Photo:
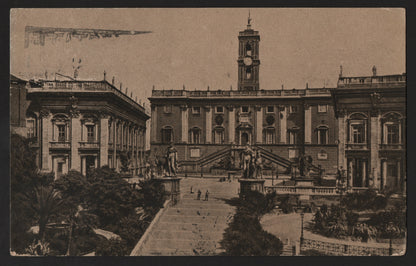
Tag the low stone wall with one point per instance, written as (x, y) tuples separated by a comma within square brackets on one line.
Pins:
[(338, 249)]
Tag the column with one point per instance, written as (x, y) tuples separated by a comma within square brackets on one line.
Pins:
[(283, 125), (75, 139), (208, 124), (351, 173), (231, 124), (259, 124), (115, 135), (104, 140), (142, 148), (184, 115), (364, 173), (46, 135), (153, 125), (342, 139), (384, 174), (374, 147), (399, 174), (84, 165), (308, 124)]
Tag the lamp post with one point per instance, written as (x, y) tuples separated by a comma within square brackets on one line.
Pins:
[(301, 228)]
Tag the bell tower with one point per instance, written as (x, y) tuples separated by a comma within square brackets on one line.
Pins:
[(248, 58)]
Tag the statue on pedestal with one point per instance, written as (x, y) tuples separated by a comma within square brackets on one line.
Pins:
[(171, 161)]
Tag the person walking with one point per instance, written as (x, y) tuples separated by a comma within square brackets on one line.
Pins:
[(199, 195), (206, 195)]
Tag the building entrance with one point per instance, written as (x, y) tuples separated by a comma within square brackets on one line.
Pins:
[(357, 172)]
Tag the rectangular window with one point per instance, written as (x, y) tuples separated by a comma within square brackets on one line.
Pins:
[(322, 136), (219, 109), (61, 133), (31, 129), (270, 136), (218, 136), (270, 109), (393, 134), (167, 135), (322, 108), (90, 133), (168, 108), (196, 110), (293, 136), (244, 109), (195, 136), (358, 133)]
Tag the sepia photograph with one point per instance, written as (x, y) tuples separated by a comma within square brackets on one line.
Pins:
[(208, 132)]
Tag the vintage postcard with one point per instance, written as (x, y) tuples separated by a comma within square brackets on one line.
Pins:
[(208, 132)]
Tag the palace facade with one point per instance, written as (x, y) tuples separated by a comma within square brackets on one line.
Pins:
[(78, 125), (371, 113), (359, 125), (286, 123)]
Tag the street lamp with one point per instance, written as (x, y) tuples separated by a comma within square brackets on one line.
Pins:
[(301, 228)]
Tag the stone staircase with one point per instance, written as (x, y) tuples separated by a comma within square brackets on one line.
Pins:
[(192, 227)]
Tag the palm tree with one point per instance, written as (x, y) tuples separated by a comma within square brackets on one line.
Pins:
[(46, 202)]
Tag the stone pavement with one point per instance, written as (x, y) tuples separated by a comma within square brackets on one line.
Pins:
[(193, 227)]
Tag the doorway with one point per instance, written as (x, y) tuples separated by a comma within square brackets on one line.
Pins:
[(244, 139), (89, 164), (358, 172)]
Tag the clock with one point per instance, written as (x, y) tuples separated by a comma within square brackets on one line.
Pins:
[(248, 61)]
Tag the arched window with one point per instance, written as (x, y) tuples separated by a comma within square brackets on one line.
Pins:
[(322, 134), (218, 135), (248, 73), (269, 135), (248, 49), (357, 129), (167, 135), (60, 124), (195, 135), (392, 128)]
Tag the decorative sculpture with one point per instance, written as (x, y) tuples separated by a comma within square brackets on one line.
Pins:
[(171, 161), (252, 163)]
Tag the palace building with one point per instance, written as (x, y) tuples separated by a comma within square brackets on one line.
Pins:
[(78, 125), (359, 125), (282, 123), (371, 113)]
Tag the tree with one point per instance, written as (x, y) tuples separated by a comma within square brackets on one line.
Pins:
[(110, 197), (24, 177), (45, 204)]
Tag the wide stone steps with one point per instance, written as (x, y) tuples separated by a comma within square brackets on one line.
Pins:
[(193, 227)]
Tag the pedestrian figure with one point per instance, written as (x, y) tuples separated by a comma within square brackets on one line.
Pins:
[(134, 185), (199, 195), (206, 195), (192, 192)]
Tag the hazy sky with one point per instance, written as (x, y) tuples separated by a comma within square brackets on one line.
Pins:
[(199, 47)]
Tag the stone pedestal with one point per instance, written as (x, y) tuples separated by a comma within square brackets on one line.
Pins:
[(172, 187), (247, 185), (304, 182)]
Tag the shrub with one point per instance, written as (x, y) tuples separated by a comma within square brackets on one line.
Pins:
[(245, 236), (111, 247)]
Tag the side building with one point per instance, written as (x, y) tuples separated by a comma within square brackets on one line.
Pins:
[(371, 113), (78, 125)]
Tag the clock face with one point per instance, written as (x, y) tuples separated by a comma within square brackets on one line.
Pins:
[(248, 61)]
